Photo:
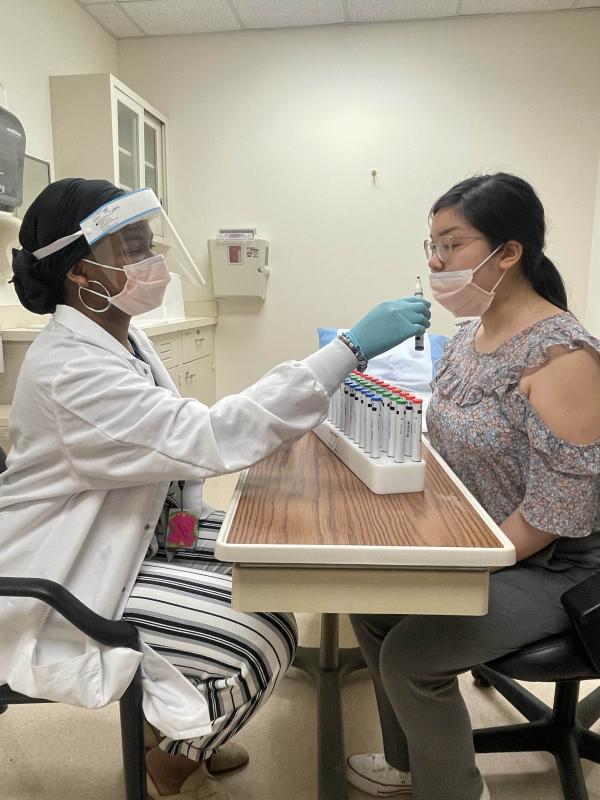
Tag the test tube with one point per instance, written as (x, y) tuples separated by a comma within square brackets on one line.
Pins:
[(392, 437), (417, 426), (399, 432), (356, 415), (369, 422), (391, 410), (375, 432), (363, 424), (385, 421), (343, 399), (349, 402), (420, 338), (408, 427)]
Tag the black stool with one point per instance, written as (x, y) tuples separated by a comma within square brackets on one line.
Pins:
[(565, 660)]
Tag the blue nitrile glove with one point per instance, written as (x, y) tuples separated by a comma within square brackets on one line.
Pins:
[(390, 323)]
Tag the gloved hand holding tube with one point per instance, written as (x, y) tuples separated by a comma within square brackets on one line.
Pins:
[(390, 323)]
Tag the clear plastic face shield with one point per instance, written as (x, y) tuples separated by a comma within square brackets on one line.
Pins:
[(121, 234)]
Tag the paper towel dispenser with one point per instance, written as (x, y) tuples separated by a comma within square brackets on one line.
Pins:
[(12, 158)]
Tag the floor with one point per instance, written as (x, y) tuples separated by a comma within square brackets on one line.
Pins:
[(50, 752)]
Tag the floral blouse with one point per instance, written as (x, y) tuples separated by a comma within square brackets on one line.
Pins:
[(493, 439)]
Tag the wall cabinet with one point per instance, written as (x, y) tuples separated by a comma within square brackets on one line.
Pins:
[(102, 129), (189, 357), (187, 354)]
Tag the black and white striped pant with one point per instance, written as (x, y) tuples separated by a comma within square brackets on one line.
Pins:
[(182, 609)]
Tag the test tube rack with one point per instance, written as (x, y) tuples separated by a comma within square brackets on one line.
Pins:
[(382, 475)]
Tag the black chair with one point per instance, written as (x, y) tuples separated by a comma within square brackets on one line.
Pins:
[(565, 660), (112, 633)]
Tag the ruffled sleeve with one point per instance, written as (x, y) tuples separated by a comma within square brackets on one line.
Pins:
[(562, 494)]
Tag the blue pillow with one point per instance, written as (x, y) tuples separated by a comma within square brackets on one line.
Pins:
[(326, 335), (437, 342)]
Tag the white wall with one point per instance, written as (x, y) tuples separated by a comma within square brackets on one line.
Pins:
[(280, 129), (592, 307), (42, 38)]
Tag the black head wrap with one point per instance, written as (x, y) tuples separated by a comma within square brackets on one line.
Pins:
[(56, 212)]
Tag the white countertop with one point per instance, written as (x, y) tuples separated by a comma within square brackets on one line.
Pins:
[(150, 328)]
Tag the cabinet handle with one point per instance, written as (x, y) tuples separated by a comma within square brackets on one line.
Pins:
[(189, 375), (203, 339)]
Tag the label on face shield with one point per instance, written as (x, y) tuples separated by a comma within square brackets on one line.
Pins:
[(119, 212)]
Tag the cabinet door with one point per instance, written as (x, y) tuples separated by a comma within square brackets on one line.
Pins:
[(198, 380), (129, 117), (197, 343), (175, 374), (154, 167)]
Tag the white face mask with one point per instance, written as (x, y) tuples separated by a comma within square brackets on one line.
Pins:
[(144, 289), (456, 291)]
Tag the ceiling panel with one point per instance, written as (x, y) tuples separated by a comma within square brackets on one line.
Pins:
[(166, 17), (387, 10), (123, 18), (289, 13), (512, 6), (113, 19)]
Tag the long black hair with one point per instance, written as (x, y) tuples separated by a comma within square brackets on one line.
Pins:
[(505, 207)]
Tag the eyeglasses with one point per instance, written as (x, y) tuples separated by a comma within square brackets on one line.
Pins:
[(443, 248)]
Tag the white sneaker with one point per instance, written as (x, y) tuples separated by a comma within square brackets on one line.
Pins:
[(371, 773)]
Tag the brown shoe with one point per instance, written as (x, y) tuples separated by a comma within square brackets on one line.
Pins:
[(199, 786), (152, 737), (227, 758)]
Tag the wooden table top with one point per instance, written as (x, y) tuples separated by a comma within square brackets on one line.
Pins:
[(303, 498)]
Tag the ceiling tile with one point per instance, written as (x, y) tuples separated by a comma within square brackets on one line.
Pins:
[(289, 13), (113, 19), (512, 6), (384, 10), (166, 17)]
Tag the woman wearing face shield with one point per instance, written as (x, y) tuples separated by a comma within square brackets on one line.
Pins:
[(515, 414), (99, 432)]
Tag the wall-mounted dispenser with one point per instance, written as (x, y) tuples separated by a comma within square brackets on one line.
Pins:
[(12, 157), (239, 263)]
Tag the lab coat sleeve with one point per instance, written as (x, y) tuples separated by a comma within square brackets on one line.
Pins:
[(117, 430)]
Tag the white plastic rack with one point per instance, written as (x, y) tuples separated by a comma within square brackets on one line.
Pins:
[(382, 475)]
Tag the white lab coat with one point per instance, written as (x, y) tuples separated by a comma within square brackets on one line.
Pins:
[(95, 445)]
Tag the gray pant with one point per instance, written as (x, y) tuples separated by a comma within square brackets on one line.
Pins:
[(415, 660)]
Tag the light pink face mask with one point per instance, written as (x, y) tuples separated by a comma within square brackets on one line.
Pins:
[(144, 289), (456, 291)]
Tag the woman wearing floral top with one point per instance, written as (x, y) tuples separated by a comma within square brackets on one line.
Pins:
[(516, 414)]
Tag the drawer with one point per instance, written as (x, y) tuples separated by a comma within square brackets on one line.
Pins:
[(198, 380), (167, 346), (197, 343)]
